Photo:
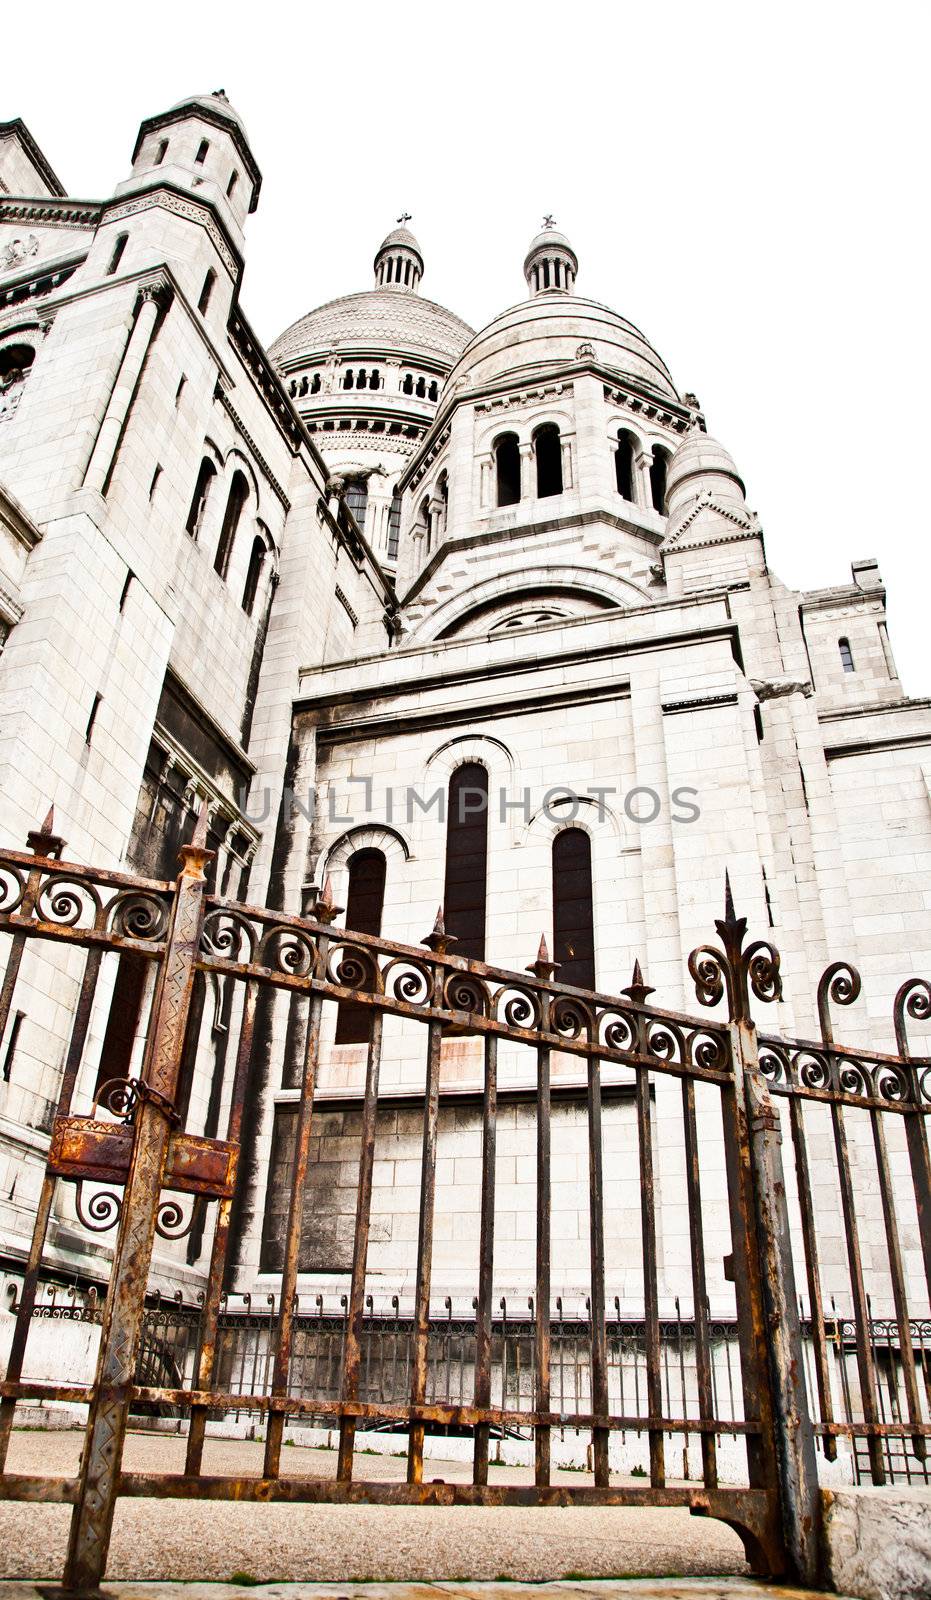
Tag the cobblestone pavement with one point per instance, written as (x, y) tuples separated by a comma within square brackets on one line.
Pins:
[(217, 1540)]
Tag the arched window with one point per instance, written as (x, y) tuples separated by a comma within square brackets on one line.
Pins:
[(117, 256), (548, 452), (507, 469), (238, 495), (426, 519), (394, 527), (315, 386), (658, 469), (201, 155), (464, 889), (361, 379), (407, 386), (347, 378), (433, 391), (374, 379), (357, 498), (161, 152), (205, 476), (624, 465), (234, 179), (256, 563), (421, 389), (364, 905), (442, 494), (846, 655), (573, 919), (206, 292)]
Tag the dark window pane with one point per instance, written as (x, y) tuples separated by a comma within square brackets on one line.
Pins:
[(573, 921), (464, 890), (364, 903)]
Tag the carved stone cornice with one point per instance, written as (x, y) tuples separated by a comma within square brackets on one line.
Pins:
[(436, 449), (179, 205), (522, 397), (52, 213), (18, 521), (653, 410)]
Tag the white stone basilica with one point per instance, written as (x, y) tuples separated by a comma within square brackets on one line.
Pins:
[(331, 587)]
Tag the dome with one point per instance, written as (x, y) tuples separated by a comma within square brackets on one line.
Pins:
[(376, 321), (401, 236), (544, 333), (217, 104), (700, 457), (550, 264), (549, 239)]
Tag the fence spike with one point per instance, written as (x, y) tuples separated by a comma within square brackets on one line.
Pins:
[(637, 990)]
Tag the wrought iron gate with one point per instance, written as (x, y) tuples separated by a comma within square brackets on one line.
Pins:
[(134, 1142)]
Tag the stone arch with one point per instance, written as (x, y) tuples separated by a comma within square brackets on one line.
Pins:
[(464, 747), (333, 860), (608, 588), (236, 459), (595, 816)]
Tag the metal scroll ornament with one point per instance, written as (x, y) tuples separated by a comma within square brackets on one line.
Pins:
[(733, 970)]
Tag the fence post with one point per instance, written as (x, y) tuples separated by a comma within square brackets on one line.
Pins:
[(101, 1459), (794, 1434)]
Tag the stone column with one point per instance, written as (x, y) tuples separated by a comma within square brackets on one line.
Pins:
[(152, 298), (486, 474), (644, 490), (528, 488)]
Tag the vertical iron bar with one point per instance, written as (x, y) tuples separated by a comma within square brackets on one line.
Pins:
[(486, 1253), (98, 1484), (424, 1250), (347, 1425), (211, 1313), (699, 1285), (865, 1363), (650, 1292), (599, 1348), (812, 1268), (542, 1327), (282, 1363), (893, 1246)]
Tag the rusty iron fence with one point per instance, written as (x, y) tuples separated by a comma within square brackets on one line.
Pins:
[(134, 1144)]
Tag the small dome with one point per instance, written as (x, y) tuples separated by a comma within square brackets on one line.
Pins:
[(698, 457), (218, 104), (551, 263), (400, 236)]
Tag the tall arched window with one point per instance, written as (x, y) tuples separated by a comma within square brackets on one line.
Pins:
[(206, 292), (573, 918), (357, 498), (507, 469), (426, 520), (624, 465), (256, 563), (846, 655), (195, 516), (464, 890), (364, 905), (658, 469), (548, 452), (238, 495), (117, 255), (394, 527)]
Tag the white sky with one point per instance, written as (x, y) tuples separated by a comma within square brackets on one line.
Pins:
[(748, 185)]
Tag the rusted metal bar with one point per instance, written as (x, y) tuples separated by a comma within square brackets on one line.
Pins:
[(542, 1325), (865, 1363), (424, 1249), (914, 1000), (812, 1269), (282, 1363), (651, 1333), (486, 1255), (599, 1336), (214, 1291), (350, 1387), (897, 1273), (699, 1285), (793, 1434), (45, 847), (100, 1466)]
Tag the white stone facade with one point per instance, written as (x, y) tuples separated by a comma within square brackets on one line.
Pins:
[(553, 574)]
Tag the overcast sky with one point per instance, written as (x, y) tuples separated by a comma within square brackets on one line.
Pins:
[(747, 184)]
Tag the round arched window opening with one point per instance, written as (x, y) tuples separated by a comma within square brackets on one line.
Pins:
[(15, 362)]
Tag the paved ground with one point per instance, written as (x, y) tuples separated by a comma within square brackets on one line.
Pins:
[(217, 1541), (624, 1589)]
